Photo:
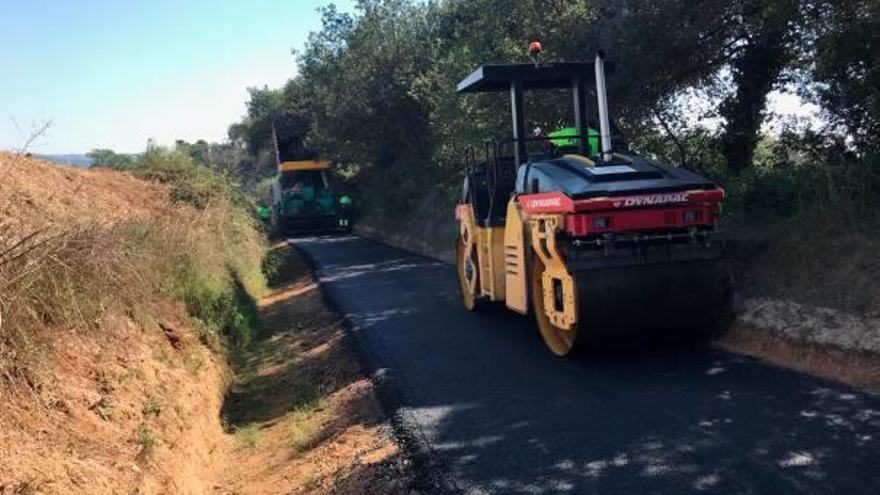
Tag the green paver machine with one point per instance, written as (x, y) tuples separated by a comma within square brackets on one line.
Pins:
[(301, 198)]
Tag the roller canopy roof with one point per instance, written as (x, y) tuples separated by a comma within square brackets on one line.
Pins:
[(546, 76)]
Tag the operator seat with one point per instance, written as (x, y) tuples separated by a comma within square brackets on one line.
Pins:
[(490, 205)]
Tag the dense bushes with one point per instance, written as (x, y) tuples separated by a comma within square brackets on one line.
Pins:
[(795, 176), (827, 192), (191, 182), (814, 202), (376, 91)]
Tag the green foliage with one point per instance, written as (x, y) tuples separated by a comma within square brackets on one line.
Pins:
[(809, 183), (248, 436), (200, 151), (206, 254), (153, 407), (216, 274), (191, 182), (798, 177), (303, 428), (146, 439), (212, 264), (800, 180), (376, 92), (102, 157), (845, 48), (376, 89), (767, 29)]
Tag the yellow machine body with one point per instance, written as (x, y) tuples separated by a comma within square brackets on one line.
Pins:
[(516, 283), (500, 256), (485, 245), (562, 312)]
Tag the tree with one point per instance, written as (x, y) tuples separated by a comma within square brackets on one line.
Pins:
[(102, 157), (846, 68), (767, 34), (198, 151), (661, 47)]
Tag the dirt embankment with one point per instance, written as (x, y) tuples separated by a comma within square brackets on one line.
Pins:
[(808, 302), (124, 404), (133, 396), (35, 194)]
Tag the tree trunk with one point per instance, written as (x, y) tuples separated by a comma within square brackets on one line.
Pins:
[(755, 71)]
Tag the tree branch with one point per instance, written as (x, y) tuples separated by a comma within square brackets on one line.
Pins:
[(675, 139)]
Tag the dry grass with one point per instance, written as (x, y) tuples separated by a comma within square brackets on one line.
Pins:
[(62, 272), (304, 426), (247, 436), (56, 279), (830, 269), (65, 280), (36, 194), (107, 284), (124, 398)]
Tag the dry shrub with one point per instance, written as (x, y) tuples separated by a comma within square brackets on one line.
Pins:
[(838, 270), (210, 260), (57, 279), (65, 280)]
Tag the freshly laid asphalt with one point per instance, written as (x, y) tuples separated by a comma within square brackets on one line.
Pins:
[(493, 412)]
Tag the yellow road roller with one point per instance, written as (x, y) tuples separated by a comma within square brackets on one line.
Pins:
[(604, 247)]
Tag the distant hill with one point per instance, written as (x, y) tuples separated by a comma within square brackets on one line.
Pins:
[(71, 159)]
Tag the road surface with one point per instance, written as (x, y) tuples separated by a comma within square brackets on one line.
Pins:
[(496, 413)]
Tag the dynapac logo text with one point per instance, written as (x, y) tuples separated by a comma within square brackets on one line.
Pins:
[(652, 200), (545, 202)]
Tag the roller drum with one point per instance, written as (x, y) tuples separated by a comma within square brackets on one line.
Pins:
[(649, 304)]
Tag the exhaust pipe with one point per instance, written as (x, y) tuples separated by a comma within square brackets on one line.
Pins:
[(602, 96)]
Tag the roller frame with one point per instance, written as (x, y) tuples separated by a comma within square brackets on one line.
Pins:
[(544, 228), (467, 233)]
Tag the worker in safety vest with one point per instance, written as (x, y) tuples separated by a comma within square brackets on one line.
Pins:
[(264, 213), (344, 211), (568, 138)]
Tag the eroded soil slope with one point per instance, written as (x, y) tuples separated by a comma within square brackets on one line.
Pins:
[(125, 404), (140, 400)]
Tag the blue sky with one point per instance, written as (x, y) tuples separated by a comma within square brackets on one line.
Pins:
[(113, 74)]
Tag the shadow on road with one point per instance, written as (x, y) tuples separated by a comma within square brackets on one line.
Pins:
[(499, 414)]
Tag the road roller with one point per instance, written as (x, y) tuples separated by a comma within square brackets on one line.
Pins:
[(601, 246)]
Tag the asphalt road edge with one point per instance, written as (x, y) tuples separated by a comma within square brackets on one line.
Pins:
[(426, 465)]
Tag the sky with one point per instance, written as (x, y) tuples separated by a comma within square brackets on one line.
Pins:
[(113, 74)]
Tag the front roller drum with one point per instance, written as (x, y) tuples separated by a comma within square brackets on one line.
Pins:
[(561, 341), (638, 306)]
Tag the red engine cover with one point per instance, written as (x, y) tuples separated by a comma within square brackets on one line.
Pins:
[(629, 213)]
